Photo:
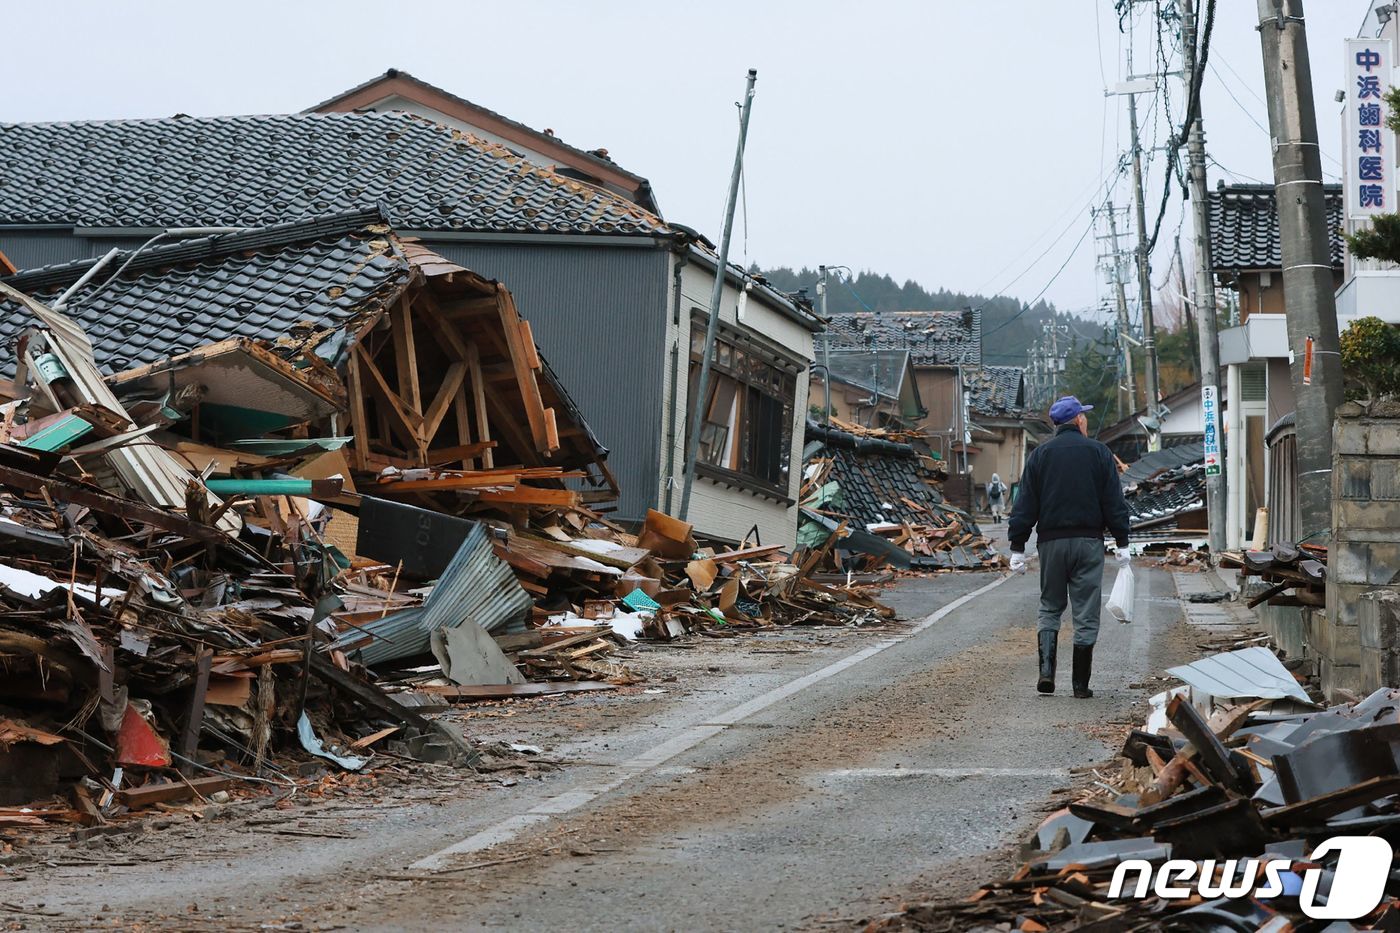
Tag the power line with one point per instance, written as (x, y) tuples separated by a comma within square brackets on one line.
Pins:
[(1078, 243), (1094, 196)]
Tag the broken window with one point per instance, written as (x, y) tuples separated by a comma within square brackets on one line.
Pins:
[(746, 427)]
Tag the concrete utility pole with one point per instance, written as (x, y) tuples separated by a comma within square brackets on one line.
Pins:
[(1207, 334), (702, 388), (826, 343), (1144, 267), (1307, 263), (1125, 357)]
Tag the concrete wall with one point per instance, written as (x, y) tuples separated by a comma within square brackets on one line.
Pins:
[(1365, 551)]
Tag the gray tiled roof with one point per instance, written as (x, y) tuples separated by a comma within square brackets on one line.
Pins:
[(1244, 231), (260, 285), (997, 390), (259, 170), (933, 338)]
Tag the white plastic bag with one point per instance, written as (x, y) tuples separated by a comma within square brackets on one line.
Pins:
[(1120, 601)]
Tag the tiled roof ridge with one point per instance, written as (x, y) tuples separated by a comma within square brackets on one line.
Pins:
[(212, 247), (392, 73)]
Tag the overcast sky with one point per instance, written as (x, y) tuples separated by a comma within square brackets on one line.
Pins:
[(947, 142)]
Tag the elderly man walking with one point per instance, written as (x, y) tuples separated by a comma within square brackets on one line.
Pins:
[(1070, 495)]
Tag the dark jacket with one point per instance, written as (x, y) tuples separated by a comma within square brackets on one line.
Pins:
[(1069, 489)]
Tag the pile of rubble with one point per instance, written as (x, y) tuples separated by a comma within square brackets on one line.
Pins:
[(885, 492), (299, 540), (1166, 491), (1232, 771), (1301, 568)]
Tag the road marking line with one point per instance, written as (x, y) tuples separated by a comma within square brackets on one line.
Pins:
[(948, 772), (686, 739)]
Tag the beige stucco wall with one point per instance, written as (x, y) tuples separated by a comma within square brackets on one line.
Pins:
[(717, 510)]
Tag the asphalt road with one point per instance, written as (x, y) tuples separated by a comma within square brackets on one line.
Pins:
[(827, 784)]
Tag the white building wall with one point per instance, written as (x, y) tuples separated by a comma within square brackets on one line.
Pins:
[(715, 509)]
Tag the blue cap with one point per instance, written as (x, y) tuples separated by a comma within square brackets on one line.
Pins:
[(1067, 409)]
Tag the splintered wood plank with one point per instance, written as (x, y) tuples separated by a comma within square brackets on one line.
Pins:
[(172, 790), (432, 418), (521, 358), (358, 426), (426, 303), (483, 423), (531, 495), (406, 356), (462, 412), (505, 691), (407, 422)]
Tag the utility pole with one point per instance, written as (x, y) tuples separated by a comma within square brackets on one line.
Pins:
[(826, 343), (1125, 351), (1206, 318), (702, 388), (1144, 268), (1307, 263)]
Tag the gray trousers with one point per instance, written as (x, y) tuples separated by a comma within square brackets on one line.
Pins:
[(1071, 572)]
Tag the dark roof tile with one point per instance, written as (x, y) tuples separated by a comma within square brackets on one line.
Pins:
[(198, 171), (933, 338), (178, 296), (1244, 230)]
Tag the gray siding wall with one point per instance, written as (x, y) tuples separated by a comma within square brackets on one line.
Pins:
[(599, 316), (30, 249)]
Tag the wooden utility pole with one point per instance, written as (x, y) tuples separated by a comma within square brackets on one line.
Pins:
[(1307, 262), (1208, 336), (1125, 348), (1144, 270)]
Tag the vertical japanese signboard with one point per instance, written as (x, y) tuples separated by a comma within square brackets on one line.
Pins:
[(1370, 144), (1210, 428)]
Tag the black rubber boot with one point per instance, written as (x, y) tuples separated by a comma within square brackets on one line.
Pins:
[(1046, 683), (1083, 666)]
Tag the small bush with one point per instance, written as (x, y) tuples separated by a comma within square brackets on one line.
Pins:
[(1371, 356)]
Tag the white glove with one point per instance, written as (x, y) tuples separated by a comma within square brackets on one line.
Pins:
[(1125, 557), (1018, 562)]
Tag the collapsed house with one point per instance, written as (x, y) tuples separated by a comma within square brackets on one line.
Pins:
[(583, 264), (879, 494), (297, 488), (1166, 492)]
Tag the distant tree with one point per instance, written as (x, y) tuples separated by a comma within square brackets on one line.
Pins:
[(1091, 375)]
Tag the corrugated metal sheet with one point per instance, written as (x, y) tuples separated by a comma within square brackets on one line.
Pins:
[(599, 316), (1249, 672), (477, 586), (1285, 516)]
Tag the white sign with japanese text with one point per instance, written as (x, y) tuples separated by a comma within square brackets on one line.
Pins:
[(1370, 145), (1210, 421)]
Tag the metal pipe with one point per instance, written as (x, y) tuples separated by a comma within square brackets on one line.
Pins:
[(172, 232), (826, 343), (712, 329), (86, 277)]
